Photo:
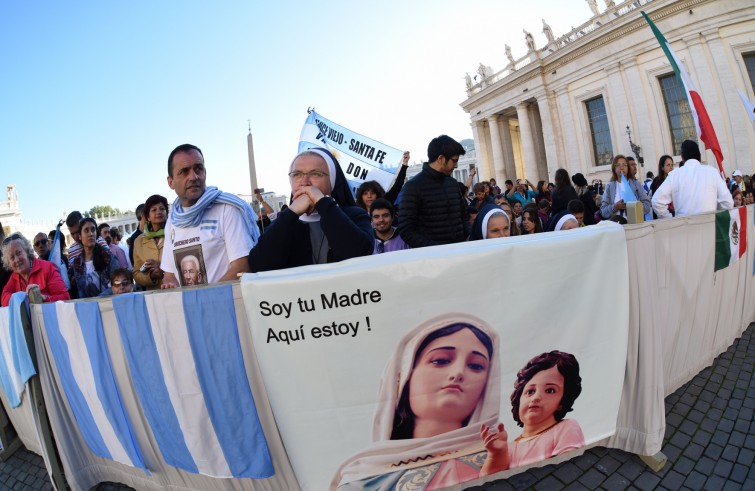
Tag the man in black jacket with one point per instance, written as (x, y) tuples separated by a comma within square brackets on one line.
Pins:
[(432, 210)]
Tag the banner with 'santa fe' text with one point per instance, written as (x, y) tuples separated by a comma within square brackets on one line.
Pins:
[(361, 158), (447, 364)]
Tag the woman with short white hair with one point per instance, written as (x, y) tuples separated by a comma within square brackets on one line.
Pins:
[(28, 271)]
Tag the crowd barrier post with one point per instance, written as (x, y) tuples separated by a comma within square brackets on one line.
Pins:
[(37, 399), (654, 462)]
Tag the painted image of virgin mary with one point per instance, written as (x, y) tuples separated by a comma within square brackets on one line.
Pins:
[(438, 398)]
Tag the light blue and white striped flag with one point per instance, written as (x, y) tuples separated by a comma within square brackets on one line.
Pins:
[(186, 364), (626, 192), (16, 366), (57, 259), (77, 343)]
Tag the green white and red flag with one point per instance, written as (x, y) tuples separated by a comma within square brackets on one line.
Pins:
[(703, 125), (731, 236)]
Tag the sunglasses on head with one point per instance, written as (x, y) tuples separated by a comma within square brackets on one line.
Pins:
[(11, 237)]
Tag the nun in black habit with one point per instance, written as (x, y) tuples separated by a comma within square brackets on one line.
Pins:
[(321, 225), (491, 222)]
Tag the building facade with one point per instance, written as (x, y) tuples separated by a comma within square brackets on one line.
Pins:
[(12, 218), (577, 101)]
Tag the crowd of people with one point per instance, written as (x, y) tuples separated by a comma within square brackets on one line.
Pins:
[(207, 235)]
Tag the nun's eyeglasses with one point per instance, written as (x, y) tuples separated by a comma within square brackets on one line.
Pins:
[(298, 175)]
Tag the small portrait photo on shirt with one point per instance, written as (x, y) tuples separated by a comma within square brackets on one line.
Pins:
[(190, 265)]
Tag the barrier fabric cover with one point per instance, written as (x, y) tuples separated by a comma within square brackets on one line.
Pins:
[(340, 348), (78, 345), (681, 316), (16, 366), (188, 371)]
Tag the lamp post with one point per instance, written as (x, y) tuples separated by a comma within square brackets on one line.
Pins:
[(636, 149)]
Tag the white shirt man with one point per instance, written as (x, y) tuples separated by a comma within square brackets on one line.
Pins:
[(694, 188), (215, 229)]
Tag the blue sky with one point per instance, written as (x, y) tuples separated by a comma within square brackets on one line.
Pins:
[(96, 94)]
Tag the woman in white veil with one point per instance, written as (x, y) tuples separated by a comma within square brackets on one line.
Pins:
[(459, 444)]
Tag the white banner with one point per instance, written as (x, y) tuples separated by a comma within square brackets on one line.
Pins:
[(361, 158), (399, 367)]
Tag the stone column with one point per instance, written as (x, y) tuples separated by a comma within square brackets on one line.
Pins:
[(528, 146), (509, 163), (536, 129), (484, 165), (573, 145), (647, 128), (552, 136), (495, 146), (693, 56), (617, 109), (717, 61)]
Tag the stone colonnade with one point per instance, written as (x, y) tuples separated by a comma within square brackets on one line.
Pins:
[(505, 153)]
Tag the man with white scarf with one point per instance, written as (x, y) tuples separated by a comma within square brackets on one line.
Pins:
[(216, 228)]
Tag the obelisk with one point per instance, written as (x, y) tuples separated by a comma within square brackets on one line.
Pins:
[(252, 169)]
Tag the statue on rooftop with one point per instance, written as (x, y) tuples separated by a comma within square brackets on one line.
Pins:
[(529, 40), (593, 6), (482, 72), (468, 81), (548, 31), (10, 189), (508, 54)]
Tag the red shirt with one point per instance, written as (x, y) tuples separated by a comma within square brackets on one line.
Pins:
[(44, 274)]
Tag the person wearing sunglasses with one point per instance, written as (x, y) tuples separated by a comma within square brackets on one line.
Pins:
[(322, 224), (28, 271), (42, 246), (121, 281)]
